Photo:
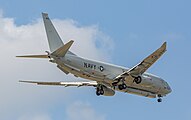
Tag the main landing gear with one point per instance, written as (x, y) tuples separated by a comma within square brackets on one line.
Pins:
[(122, 86), (99, 91), (138, 79), (120, 83)]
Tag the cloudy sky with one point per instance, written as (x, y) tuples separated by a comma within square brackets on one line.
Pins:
[(121, 33)]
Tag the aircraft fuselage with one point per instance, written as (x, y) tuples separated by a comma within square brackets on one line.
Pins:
[(104, 73)]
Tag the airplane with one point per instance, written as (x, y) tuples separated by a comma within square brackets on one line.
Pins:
[(106, 78)]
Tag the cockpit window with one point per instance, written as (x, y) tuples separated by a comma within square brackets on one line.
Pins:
[(166, 85)]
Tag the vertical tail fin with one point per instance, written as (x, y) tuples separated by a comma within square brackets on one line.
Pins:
[(54, 39), (56, 45)]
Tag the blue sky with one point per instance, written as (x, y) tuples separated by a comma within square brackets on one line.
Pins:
[(134, 30)]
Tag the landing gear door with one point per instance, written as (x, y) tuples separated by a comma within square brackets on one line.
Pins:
[(129, 80)]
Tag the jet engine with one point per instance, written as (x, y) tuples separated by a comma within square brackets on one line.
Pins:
[(108, 91)]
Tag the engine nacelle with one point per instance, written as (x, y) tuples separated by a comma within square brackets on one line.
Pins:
[(108, 91)]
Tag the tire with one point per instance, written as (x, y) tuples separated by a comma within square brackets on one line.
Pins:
[(120, 87), (159, 100), (101, 92), (98, 93), (124, 86), (138, 79)]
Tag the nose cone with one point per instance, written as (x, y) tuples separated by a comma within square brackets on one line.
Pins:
[(168, 89)]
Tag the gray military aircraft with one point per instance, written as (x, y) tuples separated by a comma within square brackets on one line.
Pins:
[(106, 78)]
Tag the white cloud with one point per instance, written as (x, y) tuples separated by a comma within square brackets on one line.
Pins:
[(19, 99), (89, 41), (82, 111)]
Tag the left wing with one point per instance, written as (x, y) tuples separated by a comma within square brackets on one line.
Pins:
[(65, 84), (140, 68), (34, 56)]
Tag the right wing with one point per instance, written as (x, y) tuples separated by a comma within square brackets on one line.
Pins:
[(65, 84), (140, 68)]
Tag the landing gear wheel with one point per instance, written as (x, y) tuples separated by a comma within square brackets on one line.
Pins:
[(159, 100), (98, 93), (159, 95), (138, 79), (122, 86), (101, 92)]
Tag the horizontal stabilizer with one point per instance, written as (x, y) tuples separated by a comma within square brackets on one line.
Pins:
[(60, 52), (34, 56)]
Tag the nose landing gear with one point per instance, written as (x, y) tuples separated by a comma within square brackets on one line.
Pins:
[(159, 98)]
